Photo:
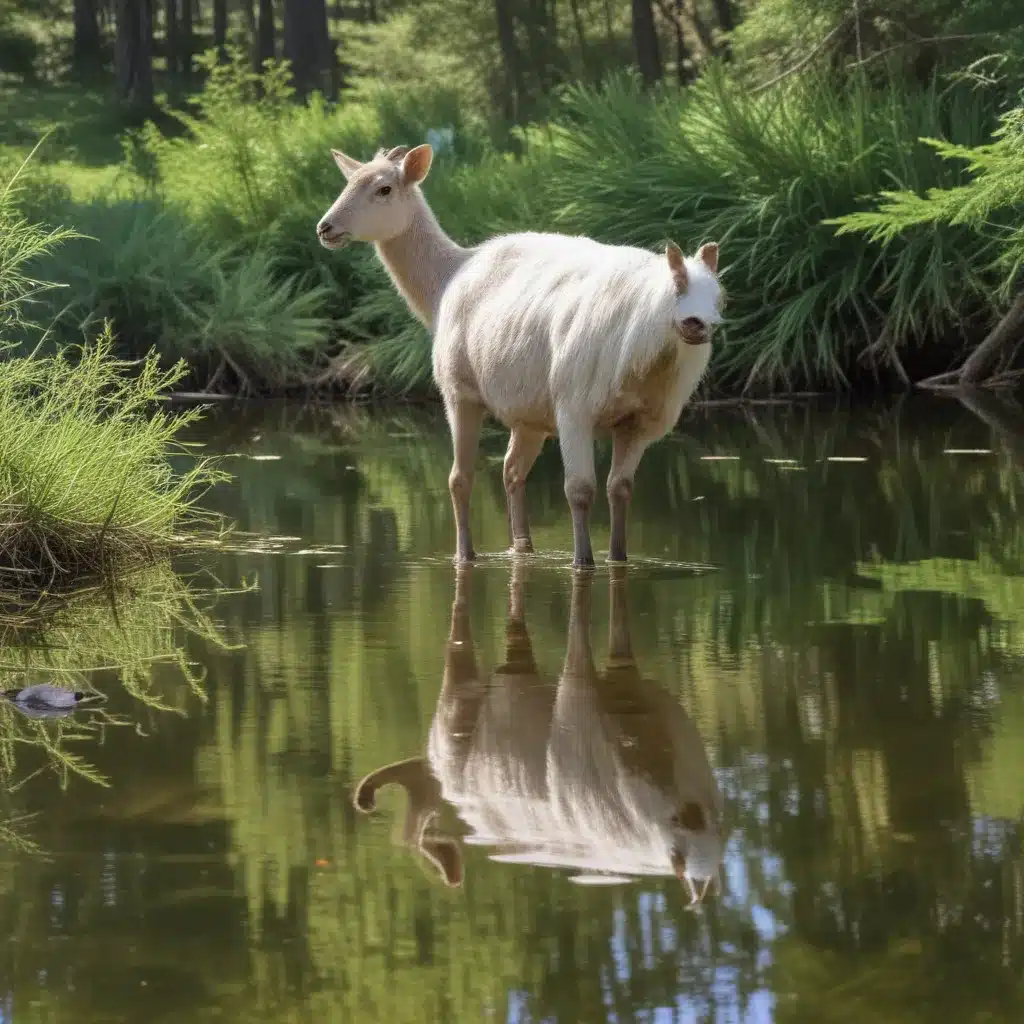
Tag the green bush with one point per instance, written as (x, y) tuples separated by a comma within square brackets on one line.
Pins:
[(86, 489), (228, 310)]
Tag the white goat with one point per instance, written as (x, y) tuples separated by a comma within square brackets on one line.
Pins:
[(549, 333), (603, 773)]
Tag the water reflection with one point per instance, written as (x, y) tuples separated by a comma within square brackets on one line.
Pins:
[(854, 667), (601, 772)]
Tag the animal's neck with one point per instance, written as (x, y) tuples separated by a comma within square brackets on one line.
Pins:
[(421, 262)]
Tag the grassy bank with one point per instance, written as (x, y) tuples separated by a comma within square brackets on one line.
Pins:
[(87, 493), (213, 258)]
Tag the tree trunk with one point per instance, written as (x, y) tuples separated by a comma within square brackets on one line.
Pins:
[(513, 83), (726, 22), (307, 44), (133, 57), (251, 32), (85, 54), (186, 39), (577, 17), (682, 50), (266, 48), (1008, 332), (220, 29), (645, 41), (724, 14), (171, 36)]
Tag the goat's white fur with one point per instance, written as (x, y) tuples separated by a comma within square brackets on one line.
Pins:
[(551, 334)]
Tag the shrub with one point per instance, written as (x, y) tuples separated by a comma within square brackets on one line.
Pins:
[(229, 311), (86, 491)]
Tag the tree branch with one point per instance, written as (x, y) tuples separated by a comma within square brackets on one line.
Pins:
[(803, 62), (922, 42)]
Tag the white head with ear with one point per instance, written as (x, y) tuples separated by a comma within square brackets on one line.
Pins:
[(380, 197), (698, 293)]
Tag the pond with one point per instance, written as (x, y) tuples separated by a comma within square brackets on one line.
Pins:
[(820, 632)]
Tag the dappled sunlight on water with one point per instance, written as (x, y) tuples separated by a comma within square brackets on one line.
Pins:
[(805, 695)]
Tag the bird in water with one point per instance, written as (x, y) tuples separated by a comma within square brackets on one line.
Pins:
[(46, 701)]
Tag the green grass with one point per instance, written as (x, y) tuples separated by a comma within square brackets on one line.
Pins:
[(86, 489), (87, 492)]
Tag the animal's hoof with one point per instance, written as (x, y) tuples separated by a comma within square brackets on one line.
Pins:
[(522, 546)]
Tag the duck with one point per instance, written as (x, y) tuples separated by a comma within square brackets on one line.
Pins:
[(44, 700)]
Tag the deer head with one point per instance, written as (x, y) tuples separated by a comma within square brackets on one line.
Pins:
[(380, 197)]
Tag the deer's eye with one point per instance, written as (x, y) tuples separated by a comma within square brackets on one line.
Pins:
[(384, 190)]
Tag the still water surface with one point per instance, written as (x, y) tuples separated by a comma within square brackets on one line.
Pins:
[(820, 635)]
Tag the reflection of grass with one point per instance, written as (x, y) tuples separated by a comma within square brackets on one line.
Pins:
[(121, 633)]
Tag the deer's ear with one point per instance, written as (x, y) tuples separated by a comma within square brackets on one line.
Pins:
[(708, 255), (677, 265), (397, 153), (416, 164), (346, 164)]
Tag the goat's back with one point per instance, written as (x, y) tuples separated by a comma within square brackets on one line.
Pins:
[(532, 320)]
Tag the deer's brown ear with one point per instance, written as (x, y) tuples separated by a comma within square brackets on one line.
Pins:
[(677, 265), (708, 255)]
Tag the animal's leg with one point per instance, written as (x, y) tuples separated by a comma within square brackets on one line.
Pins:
[(523, 448), (576, 439), (627, 448), (465, 420)]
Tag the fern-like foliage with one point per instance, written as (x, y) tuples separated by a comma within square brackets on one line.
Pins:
[(990, 203)]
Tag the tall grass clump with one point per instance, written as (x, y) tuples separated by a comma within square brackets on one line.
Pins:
[(86, 489)]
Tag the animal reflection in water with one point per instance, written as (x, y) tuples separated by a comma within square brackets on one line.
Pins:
[(603, 772)]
